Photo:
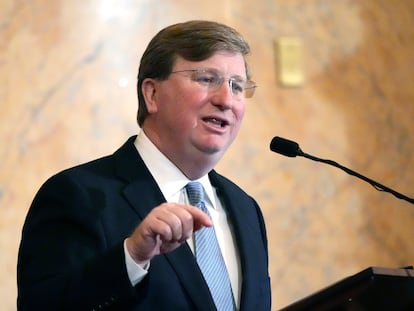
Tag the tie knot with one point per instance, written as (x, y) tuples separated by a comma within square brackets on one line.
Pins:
[(195, 193)]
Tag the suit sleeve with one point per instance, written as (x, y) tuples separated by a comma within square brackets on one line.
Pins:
[(65, 259)]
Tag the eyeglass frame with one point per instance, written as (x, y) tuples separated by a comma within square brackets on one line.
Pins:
[(247, 89)]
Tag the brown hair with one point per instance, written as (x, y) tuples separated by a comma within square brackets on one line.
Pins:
[(194, 41)]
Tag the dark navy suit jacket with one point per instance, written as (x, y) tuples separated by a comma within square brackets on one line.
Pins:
[(71, 255)]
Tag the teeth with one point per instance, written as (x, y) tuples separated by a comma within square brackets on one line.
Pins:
[(215, 121)]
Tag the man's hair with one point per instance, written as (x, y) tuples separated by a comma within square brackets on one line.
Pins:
[(194, 41)]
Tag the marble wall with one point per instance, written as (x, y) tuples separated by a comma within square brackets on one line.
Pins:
[(67, 95)]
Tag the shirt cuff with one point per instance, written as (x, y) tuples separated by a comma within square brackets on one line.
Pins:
[(135, 271)]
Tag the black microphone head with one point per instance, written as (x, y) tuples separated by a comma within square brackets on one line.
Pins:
[(285, 146)]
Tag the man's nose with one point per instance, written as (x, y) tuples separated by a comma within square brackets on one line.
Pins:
[(223, 95)]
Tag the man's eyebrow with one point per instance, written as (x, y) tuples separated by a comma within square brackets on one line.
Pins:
[(236, 76)]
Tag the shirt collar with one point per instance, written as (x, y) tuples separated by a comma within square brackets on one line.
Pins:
[(168, 177)]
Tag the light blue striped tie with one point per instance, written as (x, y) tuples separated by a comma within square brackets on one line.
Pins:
[(208, 255)]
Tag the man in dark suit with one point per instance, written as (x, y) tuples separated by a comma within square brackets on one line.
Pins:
[(119, 233)]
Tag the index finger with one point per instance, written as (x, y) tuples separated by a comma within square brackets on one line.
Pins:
[(200, 218)]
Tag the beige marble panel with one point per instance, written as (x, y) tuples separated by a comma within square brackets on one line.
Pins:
[(67, 95)]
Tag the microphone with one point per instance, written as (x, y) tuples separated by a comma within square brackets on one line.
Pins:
[(291, 149), (286, 147)]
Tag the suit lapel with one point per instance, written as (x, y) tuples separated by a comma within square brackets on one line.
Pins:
[(143, 194), (183, 262), (243, 217), (238, 213)]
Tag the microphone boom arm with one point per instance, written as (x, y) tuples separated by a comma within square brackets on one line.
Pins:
[(375, 184)]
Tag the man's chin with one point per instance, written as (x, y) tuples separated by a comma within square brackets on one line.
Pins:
[(212, 145)]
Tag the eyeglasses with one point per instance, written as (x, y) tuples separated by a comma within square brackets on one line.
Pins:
[(212, 79)]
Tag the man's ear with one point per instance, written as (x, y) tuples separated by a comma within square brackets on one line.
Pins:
[(149, 91)]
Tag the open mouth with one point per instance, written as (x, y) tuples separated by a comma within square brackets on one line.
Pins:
[(216, 122)]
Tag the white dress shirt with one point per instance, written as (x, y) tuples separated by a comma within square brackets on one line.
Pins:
[(172, 181)]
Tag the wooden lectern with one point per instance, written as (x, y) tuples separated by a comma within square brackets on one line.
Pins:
[(373, 289)]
